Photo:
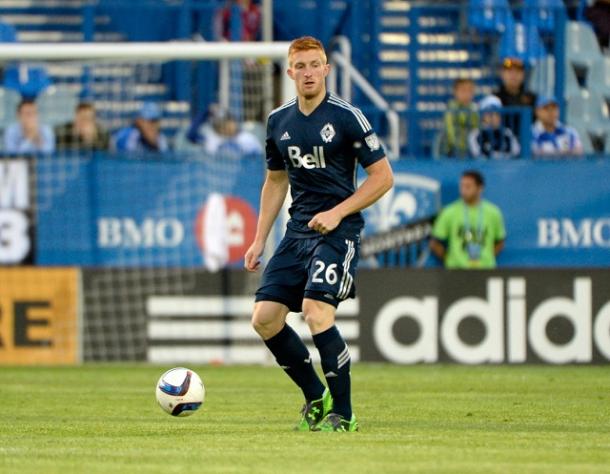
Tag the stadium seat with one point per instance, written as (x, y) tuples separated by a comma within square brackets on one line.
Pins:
[(590, 111), (8, 105), (542, 13), (585, 138), (29, 81), (57, 104), (489, 16), (183, 144), (599, 77), (582, 48), (542, 78), (8, 34), (436, 145), (523, 42)]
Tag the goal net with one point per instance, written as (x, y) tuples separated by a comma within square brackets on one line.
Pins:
[(124, 230), (182, 78)]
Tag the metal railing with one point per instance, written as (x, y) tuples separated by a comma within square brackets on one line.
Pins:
[(349, 75)]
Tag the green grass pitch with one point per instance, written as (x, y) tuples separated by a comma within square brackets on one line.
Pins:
[(104, 419)]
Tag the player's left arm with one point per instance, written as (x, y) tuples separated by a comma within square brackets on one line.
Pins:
[(379, 180)]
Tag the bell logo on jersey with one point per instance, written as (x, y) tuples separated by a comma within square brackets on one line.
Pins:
[(308, 161)]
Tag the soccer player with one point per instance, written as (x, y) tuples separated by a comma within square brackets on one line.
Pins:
[(314, 143)]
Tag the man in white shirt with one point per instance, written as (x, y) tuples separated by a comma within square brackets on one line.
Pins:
[(551, 138), (28, 135)]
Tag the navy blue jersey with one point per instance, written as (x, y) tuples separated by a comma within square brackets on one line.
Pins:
[(320, 151)]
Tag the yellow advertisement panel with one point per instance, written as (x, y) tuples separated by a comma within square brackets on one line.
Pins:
[(38, 316)]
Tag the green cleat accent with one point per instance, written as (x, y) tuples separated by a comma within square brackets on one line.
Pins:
[(314, 412), (334, 422)]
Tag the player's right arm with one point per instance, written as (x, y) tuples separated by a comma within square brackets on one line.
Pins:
[(272, 197)]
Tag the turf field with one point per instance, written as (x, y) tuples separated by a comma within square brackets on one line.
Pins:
[(104, 419)]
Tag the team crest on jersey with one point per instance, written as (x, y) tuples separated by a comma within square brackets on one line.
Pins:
[(328, 133), (372, 141)]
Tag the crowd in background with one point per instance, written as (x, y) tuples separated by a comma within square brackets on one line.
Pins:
[(490, 129), (216, 130)]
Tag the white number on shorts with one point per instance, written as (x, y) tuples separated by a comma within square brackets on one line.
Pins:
[(330, 275)]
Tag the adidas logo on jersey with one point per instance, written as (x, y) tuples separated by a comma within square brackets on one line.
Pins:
[(286, 136), (308, 161)]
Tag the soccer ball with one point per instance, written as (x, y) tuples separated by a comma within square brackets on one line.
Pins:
[(180, 392)]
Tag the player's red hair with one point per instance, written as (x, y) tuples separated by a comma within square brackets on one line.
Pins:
[(306, 43)]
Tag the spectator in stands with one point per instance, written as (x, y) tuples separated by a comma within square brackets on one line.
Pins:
[(250, 20), (469, 233), (145, 133), (460, 118), (599, 16), (492, 140), (550, 137), (84, 133), (221, 134), (512, 92), (28, 135)]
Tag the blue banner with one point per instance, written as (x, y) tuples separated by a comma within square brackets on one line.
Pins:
[(557, 213), (112, 211), (127, 212)]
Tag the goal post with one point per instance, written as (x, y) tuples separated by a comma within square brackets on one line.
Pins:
[(129, 229), (152, 51)]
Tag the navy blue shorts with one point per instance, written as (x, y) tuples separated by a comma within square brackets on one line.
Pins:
[(320, 268)]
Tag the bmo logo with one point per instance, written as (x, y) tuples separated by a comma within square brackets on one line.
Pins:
[(308, 161), (567, 233), (513, 330), (224, 228), (114, 232)]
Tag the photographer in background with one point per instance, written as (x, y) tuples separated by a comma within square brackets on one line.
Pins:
[(469, 233)]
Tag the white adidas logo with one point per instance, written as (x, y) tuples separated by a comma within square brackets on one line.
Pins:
[(286, 136)]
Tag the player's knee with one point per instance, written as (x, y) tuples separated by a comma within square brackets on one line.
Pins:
[(319, 316), (260, 323), (265, 322)]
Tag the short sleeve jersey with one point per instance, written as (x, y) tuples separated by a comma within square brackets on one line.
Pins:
[(320, 152), (487, 228)]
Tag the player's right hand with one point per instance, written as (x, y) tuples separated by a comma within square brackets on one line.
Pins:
[(253, 255)]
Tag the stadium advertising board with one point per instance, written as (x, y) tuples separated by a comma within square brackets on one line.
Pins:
[(477, 317), (16, 212), (39, 316), (191, 213), (171, 316), (137, 213), (557, 213)]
